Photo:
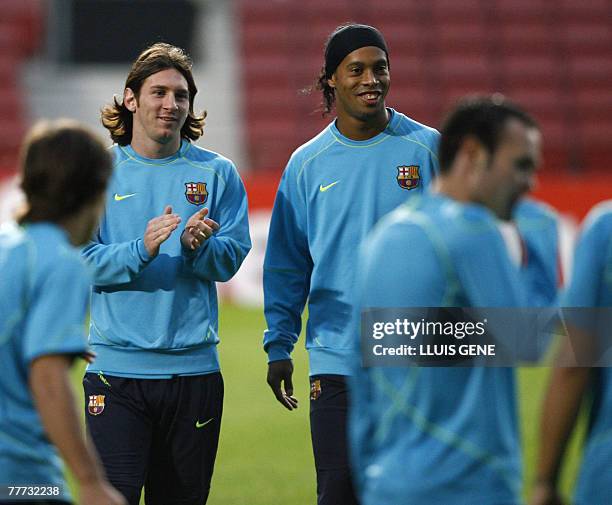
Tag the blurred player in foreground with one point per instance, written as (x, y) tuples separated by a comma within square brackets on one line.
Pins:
[(44, 292), (569, 387), (334, 189), (448, 435), (155, 391)]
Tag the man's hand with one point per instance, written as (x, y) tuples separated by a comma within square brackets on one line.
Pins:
[(56, 404), (198, 230), (100, 492), (159, 229), (280, 372), (545, 494)]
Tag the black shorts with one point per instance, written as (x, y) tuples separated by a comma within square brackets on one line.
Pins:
[(328, 428), (158, 433)]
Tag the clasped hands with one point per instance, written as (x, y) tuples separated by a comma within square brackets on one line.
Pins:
[(198, 230)]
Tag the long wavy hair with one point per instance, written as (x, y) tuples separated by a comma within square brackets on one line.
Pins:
[(118, 120)]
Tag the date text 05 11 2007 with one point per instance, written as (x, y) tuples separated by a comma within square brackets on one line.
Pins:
[(28, 491)]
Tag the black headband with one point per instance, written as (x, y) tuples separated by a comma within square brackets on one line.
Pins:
[(348, 39)]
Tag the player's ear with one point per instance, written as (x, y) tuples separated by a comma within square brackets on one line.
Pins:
[(474, 151), (331, 82), (129, 100)]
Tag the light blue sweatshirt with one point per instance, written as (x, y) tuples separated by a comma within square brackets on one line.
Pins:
[(158, 317), (331, 195), (591, 286), (437, 435), (44, 290)]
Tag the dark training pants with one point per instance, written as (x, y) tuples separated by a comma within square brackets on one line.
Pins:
[(328, 428), (158, 433)]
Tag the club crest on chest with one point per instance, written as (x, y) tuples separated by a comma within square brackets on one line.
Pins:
[(196, 193), (408, 176)]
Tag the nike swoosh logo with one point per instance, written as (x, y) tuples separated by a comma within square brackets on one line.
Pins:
[(118, 198), (322, 188), (200, 425)]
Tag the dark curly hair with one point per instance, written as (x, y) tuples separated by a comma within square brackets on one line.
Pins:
[(118, 120), (329, 98)]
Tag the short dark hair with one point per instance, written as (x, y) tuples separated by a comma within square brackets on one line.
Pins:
[(160, 56), (64, 166), (479, 116)]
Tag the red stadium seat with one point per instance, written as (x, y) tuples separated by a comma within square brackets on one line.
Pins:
[(590, 69), (593, 38), (20, 33), (451, 11), (265, 37), (395, 14), (253, 11), (573, 12), (530, 11), (520, 39), (457, 68), (405, 38)]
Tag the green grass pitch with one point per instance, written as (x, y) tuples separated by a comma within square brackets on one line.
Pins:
[(265, 455)]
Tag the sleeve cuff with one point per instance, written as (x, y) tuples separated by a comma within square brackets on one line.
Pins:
[(278, 352), (142, 251)]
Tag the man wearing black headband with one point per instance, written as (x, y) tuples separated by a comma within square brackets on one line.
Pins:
[(335, 188)]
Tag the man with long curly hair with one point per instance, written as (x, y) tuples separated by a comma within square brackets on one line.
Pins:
[(155, 393), (368, 161)]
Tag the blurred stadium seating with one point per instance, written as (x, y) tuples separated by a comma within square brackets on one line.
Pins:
[(20, 35), (555, 58)]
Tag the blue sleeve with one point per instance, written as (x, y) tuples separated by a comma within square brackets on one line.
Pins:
[(220, 257), (55, 321), (589, 264), (287, 269), (115, 263)]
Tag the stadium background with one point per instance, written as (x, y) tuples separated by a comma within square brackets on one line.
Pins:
[(252, 58)]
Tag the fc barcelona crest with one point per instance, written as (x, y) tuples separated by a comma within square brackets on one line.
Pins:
[(315, 389), (196, 192), (408, 176), (96, 404)]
